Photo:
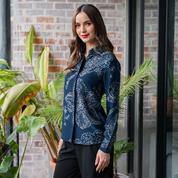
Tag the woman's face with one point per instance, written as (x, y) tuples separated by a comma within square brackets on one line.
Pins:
[(85, 28)]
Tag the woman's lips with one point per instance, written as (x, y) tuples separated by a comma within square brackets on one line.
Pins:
[(84, 36)]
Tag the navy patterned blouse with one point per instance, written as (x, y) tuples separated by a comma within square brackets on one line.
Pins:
[(84, 119)]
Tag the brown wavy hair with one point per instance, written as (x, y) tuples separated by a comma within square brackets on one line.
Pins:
[(100, 32)]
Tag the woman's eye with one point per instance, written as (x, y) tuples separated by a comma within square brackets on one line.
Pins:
[(77, 25), (88, 24)]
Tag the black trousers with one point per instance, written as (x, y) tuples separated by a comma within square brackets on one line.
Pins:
[(78, 161)]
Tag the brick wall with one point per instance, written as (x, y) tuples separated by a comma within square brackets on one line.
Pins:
[(52, 22)]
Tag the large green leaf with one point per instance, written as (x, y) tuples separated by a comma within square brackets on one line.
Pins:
[(31, 124), (10, 173), (17, 96), (2, 97), (51, 90), (43, 71), (28, 111), (37, 65), (3, 61), (10, 137), (59, 83), (14, 146), (5, 164), (29, 45)]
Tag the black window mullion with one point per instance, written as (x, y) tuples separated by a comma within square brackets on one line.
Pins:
[(165, 81), (131, 66), (140, 117)]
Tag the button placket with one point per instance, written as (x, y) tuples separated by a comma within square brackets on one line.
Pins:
[(75, 97)]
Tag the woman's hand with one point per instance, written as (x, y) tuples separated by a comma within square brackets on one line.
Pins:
[(102, 160), (60, 145)]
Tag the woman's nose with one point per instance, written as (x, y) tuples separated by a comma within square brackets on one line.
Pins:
[(83, 28)]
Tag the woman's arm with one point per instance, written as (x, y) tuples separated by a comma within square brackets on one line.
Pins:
[(111, 80)]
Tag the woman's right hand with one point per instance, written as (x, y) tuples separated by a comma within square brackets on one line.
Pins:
[(60, 145)]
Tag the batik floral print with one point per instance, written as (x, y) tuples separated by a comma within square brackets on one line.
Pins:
[(84, 119)]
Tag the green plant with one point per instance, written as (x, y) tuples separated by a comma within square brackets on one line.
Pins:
[(6, 162), (121, 147), (16, 90)]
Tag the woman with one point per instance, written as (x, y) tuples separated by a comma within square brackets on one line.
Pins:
[(88, 133)]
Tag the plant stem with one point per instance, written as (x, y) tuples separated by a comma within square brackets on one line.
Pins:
[(47, 145), (22, 157)]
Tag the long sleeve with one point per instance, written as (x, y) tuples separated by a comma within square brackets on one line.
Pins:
[(111, 80)]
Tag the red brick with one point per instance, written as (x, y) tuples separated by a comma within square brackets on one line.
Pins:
[(19, 27), (58, 62), (50, 27), (37, 143), (120, 49), (64, 62), (26, 157), (49, 41), (38, 41), (119, 56), (60, 27), (60, 41), (175, 48), (62, 34), (153, 35), (45, 19), (111, 35), (28, 19), (23, 34), (54, 69), (155, 42), (146, 49)]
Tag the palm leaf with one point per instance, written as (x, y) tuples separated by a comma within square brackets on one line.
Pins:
[(127, 89), (52, 113)]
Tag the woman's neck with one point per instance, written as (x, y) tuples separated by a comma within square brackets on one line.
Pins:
[(90, 46)]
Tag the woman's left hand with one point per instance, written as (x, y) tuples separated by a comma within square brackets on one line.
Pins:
[(102, 160)]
